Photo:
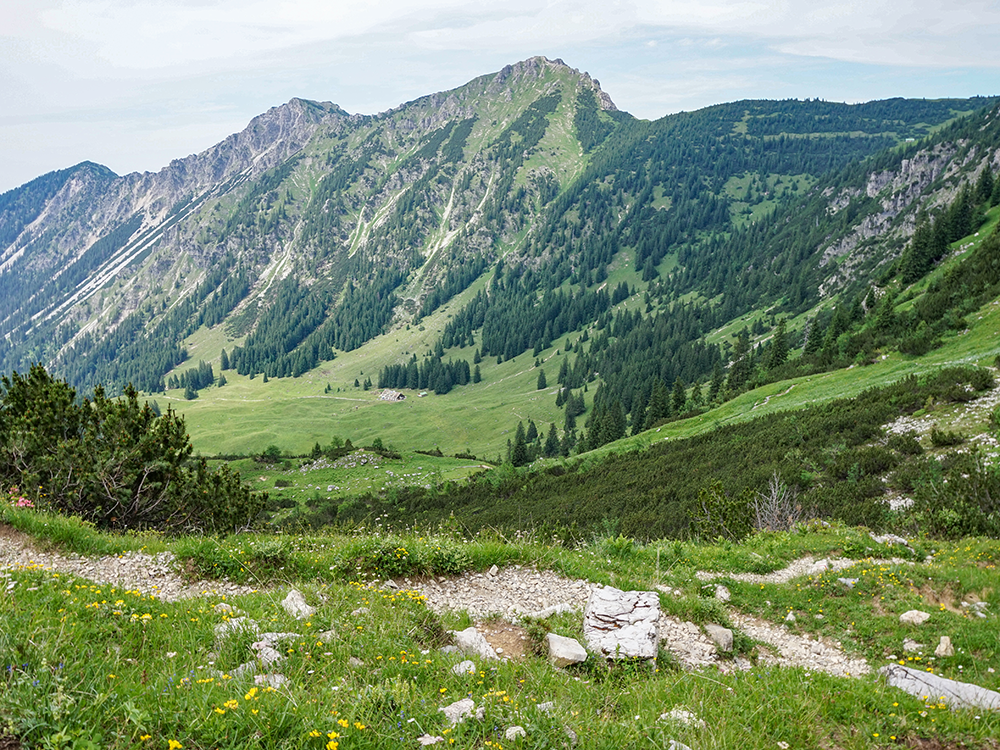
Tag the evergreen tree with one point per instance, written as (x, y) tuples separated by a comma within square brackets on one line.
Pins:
[(476, 375), (778, 353), (224, 361), (551, 447), (678, 397), (739, 370), (519, 451), (715, 385), (541, 384), (532, 432)]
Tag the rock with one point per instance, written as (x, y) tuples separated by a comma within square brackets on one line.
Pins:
[(427, 739), (223, 609), (790, 617), (722, 637), (555, 609), (514, 733), (619, 624), (955, 694), (449, 650), (675, 745), (326, 636), (359, 611), (270, 680), (911, 646), (914, 617), (494, 571), (722, 593), (464, 667), (564, 651), (266, 653), (889, 540), (459, 711), (848, 582), (295, 605), (470, 641), (944, 647), (390, 584)]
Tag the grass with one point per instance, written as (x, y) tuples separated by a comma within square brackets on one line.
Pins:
[(86, 665), (294, 483)]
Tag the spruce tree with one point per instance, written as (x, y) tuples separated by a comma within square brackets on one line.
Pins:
[(778, 354), (541, 384), (551, 447), (519, 451)]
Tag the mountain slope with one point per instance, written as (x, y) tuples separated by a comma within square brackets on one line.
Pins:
[(313, 231)]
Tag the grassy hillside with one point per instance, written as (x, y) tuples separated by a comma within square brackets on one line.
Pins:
[(88, 665)]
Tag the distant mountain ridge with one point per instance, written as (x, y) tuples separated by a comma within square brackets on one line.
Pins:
[(312, 230)]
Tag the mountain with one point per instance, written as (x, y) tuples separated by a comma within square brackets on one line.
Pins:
[(313, 231)]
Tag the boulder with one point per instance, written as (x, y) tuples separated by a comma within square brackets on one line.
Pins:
[(295, 605), (934, 688), (914, 617), (464, 667), (619, 624), (721, 637), (722, 593), (564, 651), (470, 641), (944, 647)]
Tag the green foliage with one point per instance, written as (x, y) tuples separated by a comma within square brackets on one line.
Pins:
[(943, 438), (958, 496), (823, 452), (719, 516), (114, 463)]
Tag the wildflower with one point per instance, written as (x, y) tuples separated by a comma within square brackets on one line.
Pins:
[(174, 745), (144, 737)]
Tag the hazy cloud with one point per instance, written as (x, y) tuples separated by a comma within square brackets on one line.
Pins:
[(151, 75)]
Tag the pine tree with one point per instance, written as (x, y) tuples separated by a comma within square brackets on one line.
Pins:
[(224, 361), (532, 431), (679, 397), (477, 376), (541, 384), (519, 451), (778, 353), (551, 447)]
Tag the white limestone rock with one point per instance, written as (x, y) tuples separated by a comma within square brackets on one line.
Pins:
[(295, 605), (914, 617), (952, 692), (470, 641), (721, 637), (944, 648), (564, 651), (620, 624)]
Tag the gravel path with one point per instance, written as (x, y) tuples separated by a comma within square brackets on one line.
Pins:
[(508, 593)]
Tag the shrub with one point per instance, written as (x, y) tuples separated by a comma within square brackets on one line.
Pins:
[(905, 443), (945, 438), (112, 462), (959, 496), (719, 515)]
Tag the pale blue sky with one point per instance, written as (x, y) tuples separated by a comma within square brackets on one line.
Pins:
[(133, 84)]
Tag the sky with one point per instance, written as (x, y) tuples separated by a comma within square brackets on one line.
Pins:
[(133, 84)]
